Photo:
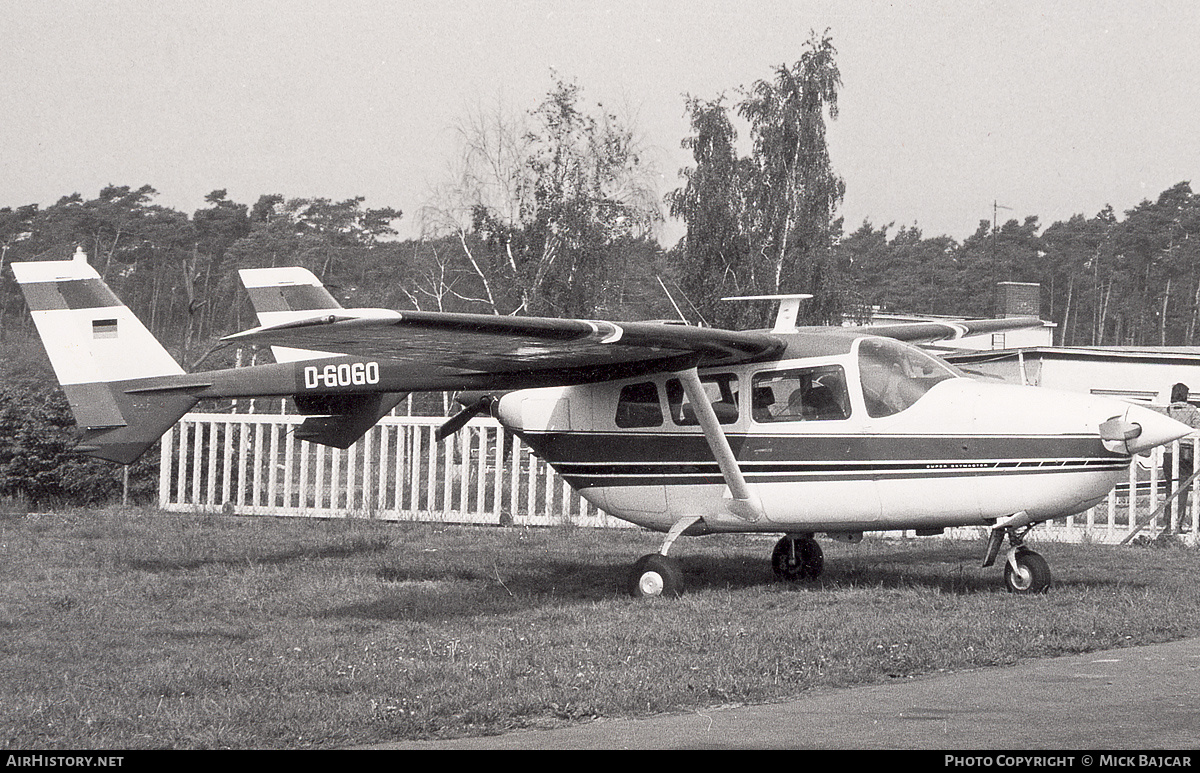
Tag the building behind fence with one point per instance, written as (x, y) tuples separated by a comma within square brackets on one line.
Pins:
[(252, 464)]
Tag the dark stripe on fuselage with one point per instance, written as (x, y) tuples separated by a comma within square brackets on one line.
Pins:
[(565, 448), (69, 294), (581, 477), (624, 459), (839, 468)]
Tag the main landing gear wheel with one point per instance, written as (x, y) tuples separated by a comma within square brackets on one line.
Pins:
[(1031, 575), (797, 558), (656, 575)]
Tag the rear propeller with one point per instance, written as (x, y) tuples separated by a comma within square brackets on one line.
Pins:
[(474, 403)]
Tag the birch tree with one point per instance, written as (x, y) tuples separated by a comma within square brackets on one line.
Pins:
[(713, 205), (783, 198), (542, 202)]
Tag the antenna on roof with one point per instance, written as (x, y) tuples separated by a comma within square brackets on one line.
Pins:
[(671, 299), (789, 308), (703, 322)]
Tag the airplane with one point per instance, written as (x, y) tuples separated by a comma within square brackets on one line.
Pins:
[(679, 429)]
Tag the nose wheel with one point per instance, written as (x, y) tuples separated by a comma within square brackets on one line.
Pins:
[(797, 558), (1026, 572)]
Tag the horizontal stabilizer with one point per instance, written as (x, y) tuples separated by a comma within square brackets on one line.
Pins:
[(145, 417)]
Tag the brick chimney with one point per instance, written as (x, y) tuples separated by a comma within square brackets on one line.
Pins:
[(1019, 299)]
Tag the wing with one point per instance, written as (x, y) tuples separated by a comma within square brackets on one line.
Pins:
[(928, 332), (442, 351), (513, 352)]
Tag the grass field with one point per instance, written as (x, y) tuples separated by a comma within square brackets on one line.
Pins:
[(135, 629)]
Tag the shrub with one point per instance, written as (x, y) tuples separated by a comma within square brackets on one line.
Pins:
[(37, 437)]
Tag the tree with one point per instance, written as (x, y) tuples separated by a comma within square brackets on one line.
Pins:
[(16, 226), (541, 203), (908, 273), (783, 198), (330, 238), (37, 434), (1156, 248), (1069, 259), (994, 254), (137, 246), (318, 232), (713, 205), (796, 191)]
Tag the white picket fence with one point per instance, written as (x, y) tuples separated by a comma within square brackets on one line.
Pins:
[(252, 464), (1137, 504)]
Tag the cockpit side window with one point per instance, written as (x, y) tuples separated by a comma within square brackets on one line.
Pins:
[(802, 394), (896, 375), (722, 392), (638, 406)]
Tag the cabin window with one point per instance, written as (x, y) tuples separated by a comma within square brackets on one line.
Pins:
[(802, 394), (896, 375), (638, 406), (721, 389)]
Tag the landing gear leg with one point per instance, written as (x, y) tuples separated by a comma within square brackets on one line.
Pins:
[(658, 574), (797, 557)]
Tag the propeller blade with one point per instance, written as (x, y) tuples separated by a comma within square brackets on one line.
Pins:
[(460, 419), (506, 444)]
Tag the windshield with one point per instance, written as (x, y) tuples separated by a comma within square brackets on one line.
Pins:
[(895, 375)]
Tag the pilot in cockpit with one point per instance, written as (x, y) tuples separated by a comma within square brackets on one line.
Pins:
[(820, 403), (762, 400)]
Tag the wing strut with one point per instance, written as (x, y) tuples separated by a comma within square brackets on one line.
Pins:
[(743, 503)]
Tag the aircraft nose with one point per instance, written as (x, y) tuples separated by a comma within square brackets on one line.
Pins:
[(1142, 429)]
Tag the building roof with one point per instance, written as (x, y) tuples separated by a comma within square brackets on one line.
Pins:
[(1188, 354)]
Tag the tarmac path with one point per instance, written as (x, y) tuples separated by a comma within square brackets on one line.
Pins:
[(1135, 698)]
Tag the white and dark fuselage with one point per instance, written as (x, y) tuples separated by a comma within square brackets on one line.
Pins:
[(953, 452)]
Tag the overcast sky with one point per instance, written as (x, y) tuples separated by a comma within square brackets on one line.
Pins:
[(1049, 108)]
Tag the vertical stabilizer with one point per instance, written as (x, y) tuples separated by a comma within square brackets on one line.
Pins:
[(98, 350), (290, 294), (285, 295)]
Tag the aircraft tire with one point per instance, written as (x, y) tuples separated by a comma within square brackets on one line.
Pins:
[(656, 575), (1033, 575), (806, 564)]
